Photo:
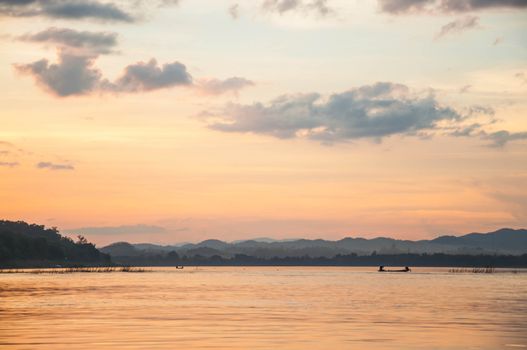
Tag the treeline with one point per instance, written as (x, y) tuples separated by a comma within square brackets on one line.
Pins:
[(423, 260), (23, 244)]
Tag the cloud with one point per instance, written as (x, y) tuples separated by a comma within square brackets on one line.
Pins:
[(217, 87), (372, 111), (234, 11), (367, 112), (9, 164), (117, 230), (446, 6), (64, 9), (6, 144), (502, 137), (169, 2), (474, 5), (464, 89), (147, 76), (76, 75), (283, 6), (522, 77), (458, 26), (75, 41), (72, 75), (498, 41), (54, 166)]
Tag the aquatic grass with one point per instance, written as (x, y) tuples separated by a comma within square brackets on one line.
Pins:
[(66, 270), (473, 270)]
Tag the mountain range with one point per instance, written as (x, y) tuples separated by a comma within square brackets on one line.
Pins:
[(503, 241)]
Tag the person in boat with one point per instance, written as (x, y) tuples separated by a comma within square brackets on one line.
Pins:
[(381, 268)]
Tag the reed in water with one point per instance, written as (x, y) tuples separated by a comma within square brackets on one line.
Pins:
[(473, 270), (61, 270)]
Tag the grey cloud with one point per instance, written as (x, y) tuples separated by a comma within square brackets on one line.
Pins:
[(282, 6), (66, 9), (9, 164), (373, 111), (216, 86), (503, 137), (458, 26), (447, 6), (474, 5), (150, 76), (90, 42), (72, 75), (86, 9), (404, 6), (54, 166), (116, 230), (76, 75)]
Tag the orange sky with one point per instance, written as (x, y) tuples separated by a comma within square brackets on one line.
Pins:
[(157, 158)]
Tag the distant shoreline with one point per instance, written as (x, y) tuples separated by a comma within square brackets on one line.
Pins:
[(351, 260)]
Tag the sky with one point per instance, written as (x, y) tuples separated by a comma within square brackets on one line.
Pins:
[(178, 121)]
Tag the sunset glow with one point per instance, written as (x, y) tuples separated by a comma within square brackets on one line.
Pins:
[(185, 120)]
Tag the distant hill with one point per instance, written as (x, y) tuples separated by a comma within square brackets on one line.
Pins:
[(124, 249), (23, 244), (503, 241)]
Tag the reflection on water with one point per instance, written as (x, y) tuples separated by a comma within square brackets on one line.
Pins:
[(264, 308)]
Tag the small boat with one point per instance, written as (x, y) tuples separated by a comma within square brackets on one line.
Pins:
[(180, 267), (406, 269)]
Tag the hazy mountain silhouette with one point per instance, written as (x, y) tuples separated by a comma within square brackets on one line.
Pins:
[(503, 241)]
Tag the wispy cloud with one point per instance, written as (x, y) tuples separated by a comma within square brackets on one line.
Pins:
[(9, 164), (234, 11), (69, 39), (464, 89), (6, 144), (320, 7), (117, 230), (54, 166), (458, 26), (217, 86), (498, 41), (522, 77), (503, 137)]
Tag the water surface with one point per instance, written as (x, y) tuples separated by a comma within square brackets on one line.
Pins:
[(264, 308)]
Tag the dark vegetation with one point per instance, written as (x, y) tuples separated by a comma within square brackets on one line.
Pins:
[(425, 260), (27, 245)]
